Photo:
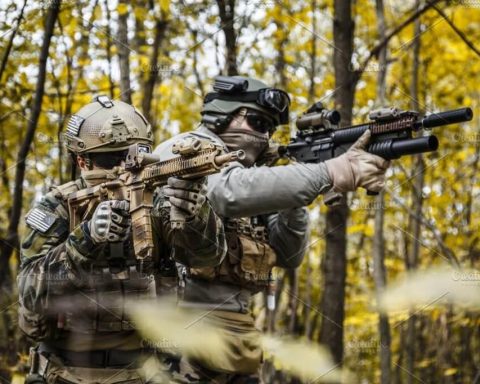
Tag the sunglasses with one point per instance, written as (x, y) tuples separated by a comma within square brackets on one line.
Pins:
[(259, 122)]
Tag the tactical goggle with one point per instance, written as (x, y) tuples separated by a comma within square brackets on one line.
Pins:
[(271, 98)]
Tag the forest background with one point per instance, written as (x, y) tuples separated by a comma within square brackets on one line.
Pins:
[(352, 55)]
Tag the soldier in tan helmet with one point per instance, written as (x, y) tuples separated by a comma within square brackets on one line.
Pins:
[(266, 222), (73, 286)]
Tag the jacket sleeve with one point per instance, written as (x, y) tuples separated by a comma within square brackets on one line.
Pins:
[(51, 257), (288, 236), (240, 192), (201, 243)]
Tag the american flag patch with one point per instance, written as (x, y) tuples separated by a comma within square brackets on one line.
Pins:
[(74, 124), (40, 220)]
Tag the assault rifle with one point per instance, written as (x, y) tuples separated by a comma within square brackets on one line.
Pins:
[(320, 138), (138, 180)]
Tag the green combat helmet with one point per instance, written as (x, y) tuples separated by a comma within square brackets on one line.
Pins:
[(106, 126), (231, 93)]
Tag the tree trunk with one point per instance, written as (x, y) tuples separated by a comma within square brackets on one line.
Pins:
[(308, 300), (293, 299), (11, 242), (334, 265), (108, 43), (417, 193), (226, 10), (378, 239), (313, 54), (124, 54), (153, 69), (8, 49), (196, 73)]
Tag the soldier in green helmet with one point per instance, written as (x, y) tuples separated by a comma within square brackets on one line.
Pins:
[(73, 285), (266, 222)]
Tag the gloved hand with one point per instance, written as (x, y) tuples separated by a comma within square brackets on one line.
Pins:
[(110, 222), (358, 168), (186, 197)]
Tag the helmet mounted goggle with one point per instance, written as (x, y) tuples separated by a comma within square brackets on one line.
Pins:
[(231, 89)]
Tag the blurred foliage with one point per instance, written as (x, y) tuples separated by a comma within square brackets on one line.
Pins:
[(275, 43)]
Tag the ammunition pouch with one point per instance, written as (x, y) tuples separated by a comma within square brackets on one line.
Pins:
[(103, 304), (249, 259)]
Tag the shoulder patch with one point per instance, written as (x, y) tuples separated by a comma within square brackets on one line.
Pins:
[(40, 220)]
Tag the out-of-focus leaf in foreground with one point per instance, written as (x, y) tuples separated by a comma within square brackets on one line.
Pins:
[(309, 361), (432, 288), (169, 328), (192, 333)]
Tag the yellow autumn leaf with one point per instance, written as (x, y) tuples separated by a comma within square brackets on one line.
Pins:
[(165, 5), (122, 9), (450, 371), (424, 363)]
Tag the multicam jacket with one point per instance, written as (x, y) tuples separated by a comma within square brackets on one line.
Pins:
[(276, 198), (73, 293)]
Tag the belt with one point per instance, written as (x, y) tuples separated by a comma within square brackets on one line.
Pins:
[(108, 358)]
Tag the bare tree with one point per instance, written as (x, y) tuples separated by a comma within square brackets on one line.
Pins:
[(124, 54), (11, 242), (161, 24), (417, 193), (334, 265), (9, 46), (226, 10), (108, 42), (346, 79), (378, 238)]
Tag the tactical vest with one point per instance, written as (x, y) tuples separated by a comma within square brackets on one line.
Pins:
[(249, 259), (97, 303)]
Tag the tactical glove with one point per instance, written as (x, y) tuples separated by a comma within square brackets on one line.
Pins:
[(186, 197), (357, 168), (110, 222)]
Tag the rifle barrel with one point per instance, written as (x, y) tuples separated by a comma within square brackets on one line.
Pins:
[(448, 117)]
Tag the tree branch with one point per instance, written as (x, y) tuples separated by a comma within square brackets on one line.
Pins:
[(376, 49), (458, 31)]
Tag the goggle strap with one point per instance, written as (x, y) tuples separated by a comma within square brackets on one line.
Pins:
[(244, 96)]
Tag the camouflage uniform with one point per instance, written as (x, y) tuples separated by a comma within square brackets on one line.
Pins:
[(264, 217), (266, 225), (72, 292)]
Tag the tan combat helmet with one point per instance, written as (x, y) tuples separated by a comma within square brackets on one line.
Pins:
[(106, 126)]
